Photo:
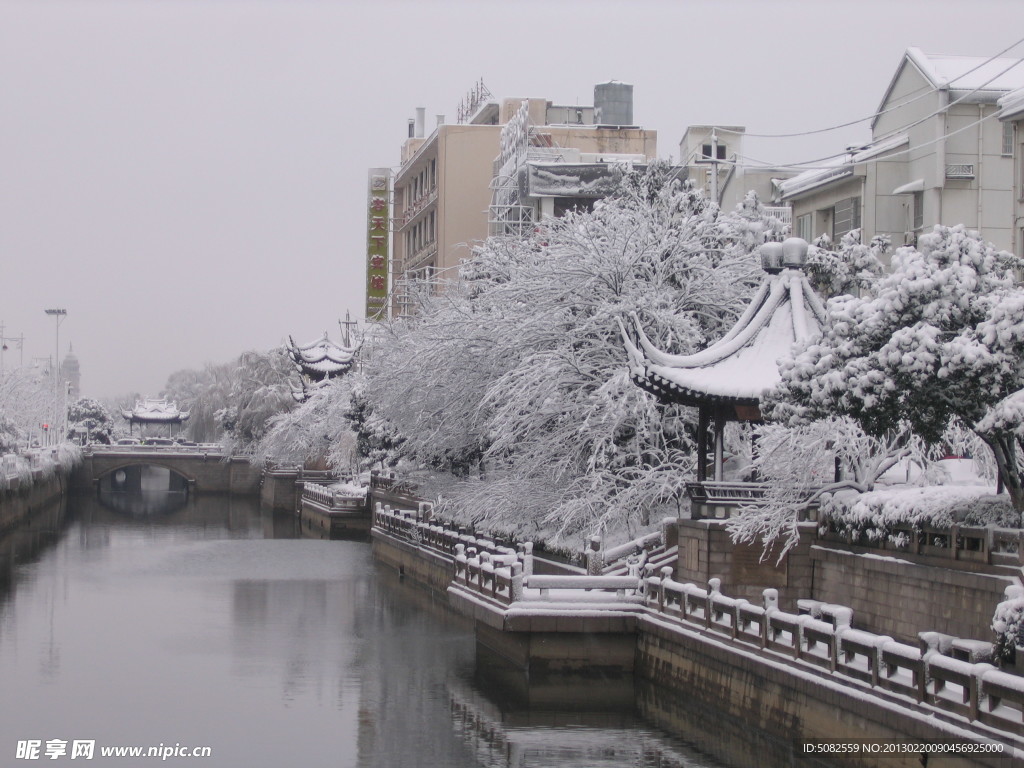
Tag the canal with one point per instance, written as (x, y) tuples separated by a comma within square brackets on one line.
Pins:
[(211, 624)]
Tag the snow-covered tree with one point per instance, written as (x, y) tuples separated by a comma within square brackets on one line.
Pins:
[(513, 377), (26, 401), (848, 269), (232, 402), (940, 339), (92, 416), (317, 432)]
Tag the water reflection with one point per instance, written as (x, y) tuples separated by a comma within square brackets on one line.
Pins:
[(142, 490), (214, 624)]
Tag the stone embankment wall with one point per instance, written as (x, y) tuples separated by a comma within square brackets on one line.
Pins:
[(890, 596), (788, 676), (19, 503), (745, 687)]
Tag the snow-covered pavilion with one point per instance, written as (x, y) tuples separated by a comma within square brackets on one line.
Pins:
[(726, 380), (153, 411), (322, 359)]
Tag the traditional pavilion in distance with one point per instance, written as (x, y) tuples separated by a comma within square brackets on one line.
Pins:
[(727, 380), (322, 359), (156, 412)]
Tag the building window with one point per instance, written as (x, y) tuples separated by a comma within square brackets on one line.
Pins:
[(705, 152), (845, 216), (1007, 139), (918, 211), (804, 225)]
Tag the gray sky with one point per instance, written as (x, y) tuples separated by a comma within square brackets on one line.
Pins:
[(187, 177)]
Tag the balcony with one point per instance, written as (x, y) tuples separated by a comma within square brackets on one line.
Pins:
[(415, 208)]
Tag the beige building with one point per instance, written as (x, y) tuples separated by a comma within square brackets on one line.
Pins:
[(506, 165), (712, 158), (1011, 115), (936, 156)]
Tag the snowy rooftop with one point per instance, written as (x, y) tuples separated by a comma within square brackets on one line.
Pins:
[(155, 411), (967, 73), (1011, 106), (321, 358), (743, 364), (839, 167)]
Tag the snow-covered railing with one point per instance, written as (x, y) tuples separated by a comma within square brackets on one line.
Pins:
[(783, 213), (958, 543), (648, 552), (975, 690), (388, 482), (418, 527), (207, 448), (334, 499)]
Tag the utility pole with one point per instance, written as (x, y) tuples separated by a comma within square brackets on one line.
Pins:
[(714, 165), (58, 315), (346, 329)]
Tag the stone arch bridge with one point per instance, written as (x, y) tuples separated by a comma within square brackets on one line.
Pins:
[(201, 468)]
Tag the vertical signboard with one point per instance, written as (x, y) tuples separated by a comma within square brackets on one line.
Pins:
[(377, 243)]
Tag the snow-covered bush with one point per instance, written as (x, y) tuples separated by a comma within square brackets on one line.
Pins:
[(847, 269), (1008, 624), (876, 514), (937, 340)]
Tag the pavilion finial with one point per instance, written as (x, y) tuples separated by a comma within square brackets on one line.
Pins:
[(771, 258), (794, 252)]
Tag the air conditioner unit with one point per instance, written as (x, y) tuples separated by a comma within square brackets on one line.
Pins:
[(960, 171)]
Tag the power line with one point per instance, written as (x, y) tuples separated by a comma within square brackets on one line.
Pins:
[(901, 129), (880, 112)]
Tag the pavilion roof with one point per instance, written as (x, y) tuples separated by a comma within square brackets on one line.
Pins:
[(741, 366), (155, 411), (322, 358)]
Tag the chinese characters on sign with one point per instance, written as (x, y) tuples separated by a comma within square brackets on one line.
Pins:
[(377, 243)]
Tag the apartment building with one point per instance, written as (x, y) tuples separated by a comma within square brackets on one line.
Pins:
[(503, 166)]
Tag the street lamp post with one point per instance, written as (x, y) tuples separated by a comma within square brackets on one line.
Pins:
[(58, 420)]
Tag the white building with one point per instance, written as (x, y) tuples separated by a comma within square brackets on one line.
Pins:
[(1011, 114), (937, 156)]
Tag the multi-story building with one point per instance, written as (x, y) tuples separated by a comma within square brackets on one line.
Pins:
[(936, 156), (503, 166), (558, 158), (1011, 115)]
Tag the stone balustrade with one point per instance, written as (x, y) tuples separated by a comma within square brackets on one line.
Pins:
[(332, 498), (977, 691), (499, 579), (957, 544)]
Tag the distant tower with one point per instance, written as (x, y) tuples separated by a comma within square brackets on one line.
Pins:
[(71, 373)]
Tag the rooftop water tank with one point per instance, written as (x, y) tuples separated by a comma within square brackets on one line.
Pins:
[(613, 103)]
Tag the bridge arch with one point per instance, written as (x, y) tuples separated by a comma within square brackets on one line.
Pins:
[(147, 461), (205, 469)]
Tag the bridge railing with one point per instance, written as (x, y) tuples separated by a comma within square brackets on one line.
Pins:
[(201, 448)]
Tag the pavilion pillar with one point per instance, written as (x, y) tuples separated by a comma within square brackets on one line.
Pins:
[(719, 444), (702, 444)]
